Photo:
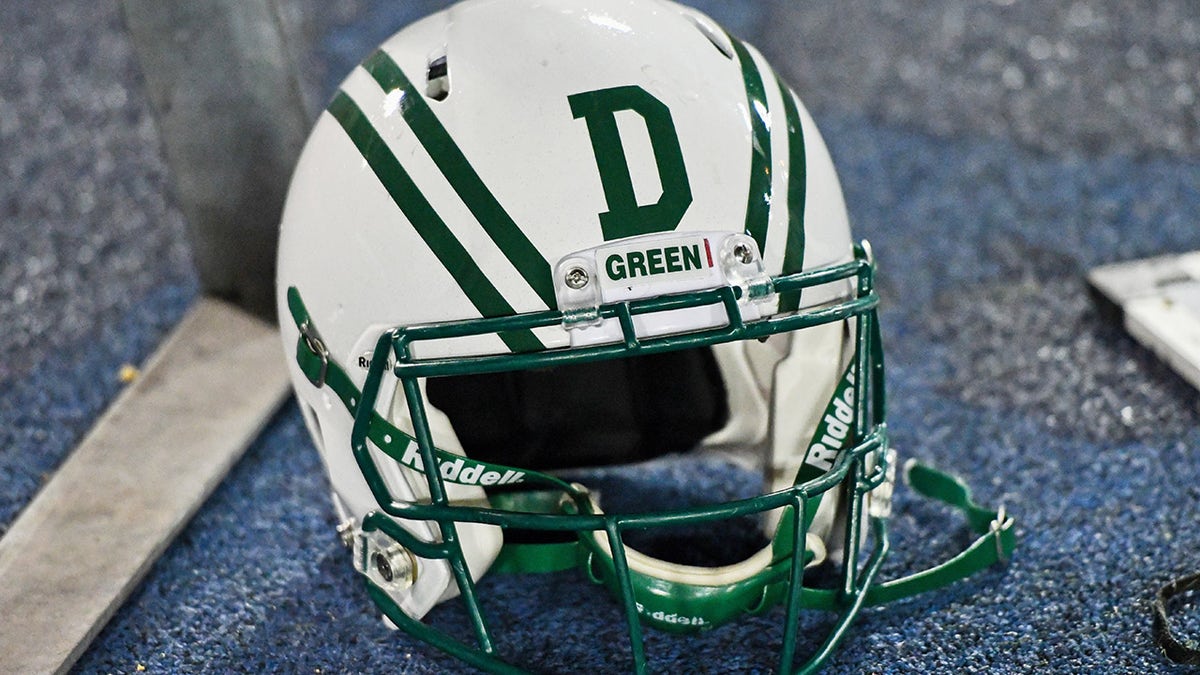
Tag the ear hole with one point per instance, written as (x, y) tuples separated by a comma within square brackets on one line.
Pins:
[(437, 77), (719, 38)]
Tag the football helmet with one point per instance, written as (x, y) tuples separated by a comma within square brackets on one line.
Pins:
[(530, 235)]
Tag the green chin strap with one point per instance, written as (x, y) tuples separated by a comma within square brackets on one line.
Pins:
[(682, 607), (551, 504)]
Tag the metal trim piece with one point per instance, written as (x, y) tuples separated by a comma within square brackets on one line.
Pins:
[(1157, 300)]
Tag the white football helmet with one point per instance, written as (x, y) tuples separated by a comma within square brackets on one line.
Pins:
[(534, 234)]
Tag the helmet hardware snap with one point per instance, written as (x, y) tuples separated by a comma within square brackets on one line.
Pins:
[(743, 254), (576, 278), (394, 564)]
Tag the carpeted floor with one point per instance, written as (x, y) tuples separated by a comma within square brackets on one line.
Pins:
[(991, 151)]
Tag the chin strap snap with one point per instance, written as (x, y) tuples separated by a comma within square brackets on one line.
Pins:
[(318, 362)]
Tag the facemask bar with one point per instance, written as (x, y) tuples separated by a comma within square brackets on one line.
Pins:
[(869, 437), (408, 370)]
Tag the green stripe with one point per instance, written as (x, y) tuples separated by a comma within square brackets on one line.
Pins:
[(463, 178), (793, 253), (758, 206), (432, 229)]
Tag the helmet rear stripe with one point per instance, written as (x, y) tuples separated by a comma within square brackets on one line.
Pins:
[(793, 254), (758, 206), (428, 224), (449, 158)]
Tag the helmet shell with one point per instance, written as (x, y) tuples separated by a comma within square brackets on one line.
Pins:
[(459, 163)]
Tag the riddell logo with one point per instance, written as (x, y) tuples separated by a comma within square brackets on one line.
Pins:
[(655, 261), (672, 618), (837, 424), (462, 471)]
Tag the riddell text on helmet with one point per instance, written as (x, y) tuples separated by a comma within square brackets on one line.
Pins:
[(672, 618), (836, 426), (462, 471)]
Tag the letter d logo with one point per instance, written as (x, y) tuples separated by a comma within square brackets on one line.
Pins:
[(625, 217)]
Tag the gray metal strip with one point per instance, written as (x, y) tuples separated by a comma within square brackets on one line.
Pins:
[(90, 535), (230, 111), (1158, 300), (1124, 281)]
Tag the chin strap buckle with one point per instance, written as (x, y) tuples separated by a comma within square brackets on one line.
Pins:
[(880, 497), (999, 524), (384, 561), (316, 345)]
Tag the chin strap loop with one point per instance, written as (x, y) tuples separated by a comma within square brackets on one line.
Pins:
[(995, 544)]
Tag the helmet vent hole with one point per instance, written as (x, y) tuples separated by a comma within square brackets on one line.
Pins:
[(437, 78), (719, 38)]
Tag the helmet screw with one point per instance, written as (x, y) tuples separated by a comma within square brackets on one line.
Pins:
[(743, 253), (345, 531), (576, 278), (384, 567), (393, 563)]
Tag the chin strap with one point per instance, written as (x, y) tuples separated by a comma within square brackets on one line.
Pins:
[(995, 544), (681, 607)]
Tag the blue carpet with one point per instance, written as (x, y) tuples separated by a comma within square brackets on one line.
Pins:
[(1000, 369), (258, 581)]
